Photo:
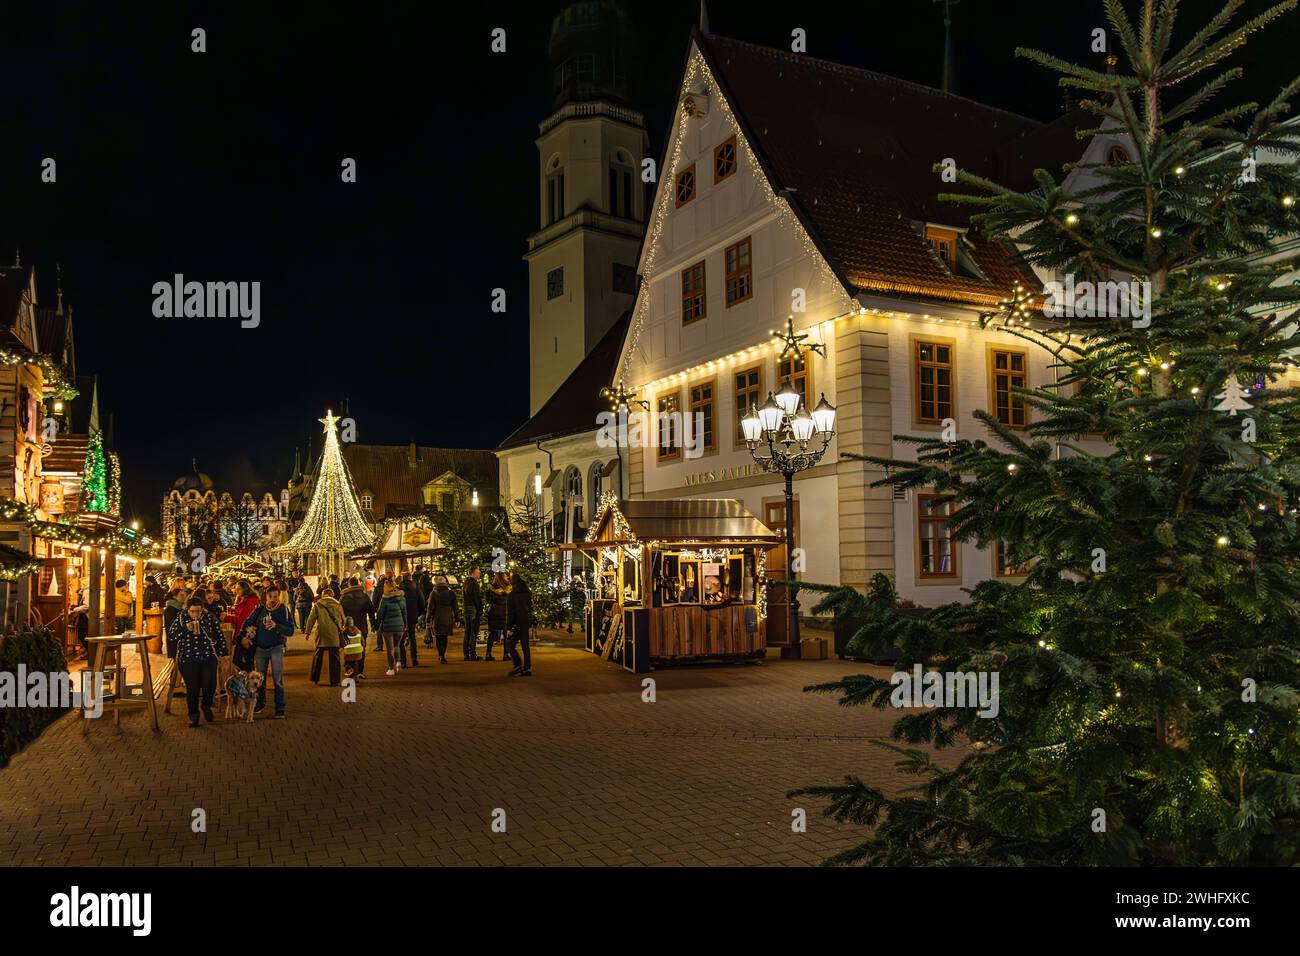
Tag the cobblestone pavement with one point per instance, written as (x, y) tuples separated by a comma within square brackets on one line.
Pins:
[(410, 774)]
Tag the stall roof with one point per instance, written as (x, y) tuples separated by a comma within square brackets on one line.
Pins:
[(684, 520)]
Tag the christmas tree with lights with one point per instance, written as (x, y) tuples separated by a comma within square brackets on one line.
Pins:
[(333, 526), (94, 476), (1149, 663)]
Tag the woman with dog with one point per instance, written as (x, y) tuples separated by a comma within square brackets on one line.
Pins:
[(195, 640), (390, 621), (326, 618), (248, 603)]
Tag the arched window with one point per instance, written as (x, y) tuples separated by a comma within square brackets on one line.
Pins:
[(1116, 155), (573, 493)]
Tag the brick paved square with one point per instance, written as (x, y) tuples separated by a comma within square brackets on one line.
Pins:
[(411, 773)]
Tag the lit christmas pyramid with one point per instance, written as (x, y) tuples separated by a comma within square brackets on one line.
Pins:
[(334, 526)]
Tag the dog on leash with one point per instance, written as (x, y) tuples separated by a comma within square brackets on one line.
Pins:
[(241, 694)]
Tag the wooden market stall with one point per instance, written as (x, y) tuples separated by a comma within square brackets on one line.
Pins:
[(407, 541), (677, 580)]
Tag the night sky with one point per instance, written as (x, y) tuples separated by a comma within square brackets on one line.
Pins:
[(224, 166)]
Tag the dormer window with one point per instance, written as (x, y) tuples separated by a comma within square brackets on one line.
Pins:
[(944, 244), (1116, 155), (367, 502)]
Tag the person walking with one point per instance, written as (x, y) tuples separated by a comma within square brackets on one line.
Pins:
[(356, 605), (244, 649), (377, 595), (473, 612), (414, 608), (195, 641), (578, 603), (271, 626), (521, 619), (303, 597), (390, 621), (327, 617), (442, 614), (498, 618)]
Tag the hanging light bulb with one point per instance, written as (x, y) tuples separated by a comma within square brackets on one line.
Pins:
[(1156, 232)]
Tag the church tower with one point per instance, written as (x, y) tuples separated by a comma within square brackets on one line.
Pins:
[(582, 261)]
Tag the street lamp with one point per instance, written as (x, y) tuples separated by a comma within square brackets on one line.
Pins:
[(778, 436)]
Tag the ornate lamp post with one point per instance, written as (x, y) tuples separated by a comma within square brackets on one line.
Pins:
[(778, 436)]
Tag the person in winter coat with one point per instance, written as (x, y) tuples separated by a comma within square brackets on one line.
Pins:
[(442, 613), (154, 595), (123, 607), (357, 606), (521, 619), (414, 608), (244, 608), (390, 620), (327, 617), (377, 595), (473, 612), (270, 626), (195, 640), (175, 605), (498, 618), (578, 602), (303, 597)]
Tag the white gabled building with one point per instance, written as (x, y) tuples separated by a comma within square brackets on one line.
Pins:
[(794, 188)]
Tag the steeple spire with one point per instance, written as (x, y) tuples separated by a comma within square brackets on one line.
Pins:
[(947, 43), (704, 17), (58, 283)]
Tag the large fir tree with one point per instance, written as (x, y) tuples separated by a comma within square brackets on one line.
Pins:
[(1150, 660)]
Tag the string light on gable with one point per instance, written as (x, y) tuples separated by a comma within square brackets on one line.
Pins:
[(698, 76)]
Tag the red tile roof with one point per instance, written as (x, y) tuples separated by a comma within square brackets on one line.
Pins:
[(857, 150)]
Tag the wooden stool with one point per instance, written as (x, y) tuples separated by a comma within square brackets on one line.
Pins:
[(104, 649)]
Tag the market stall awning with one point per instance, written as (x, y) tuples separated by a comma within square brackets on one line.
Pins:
[(240, 563), (681, 520)]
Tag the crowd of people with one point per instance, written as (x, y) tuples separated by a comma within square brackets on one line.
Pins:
[(397, 610)]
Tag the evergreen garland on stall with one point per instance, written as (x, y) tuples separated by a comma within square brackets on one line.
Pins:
[(94, 477)]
